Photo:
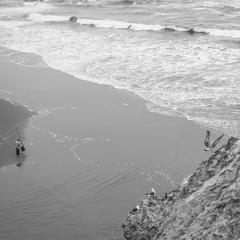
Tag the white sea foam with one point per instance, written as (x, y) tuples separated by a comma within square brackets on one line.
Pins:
[(80, 55), (104, 23), (210, 4), (13, 24), (39, 18), (36, 17), (157, 27), (176, 76), (107, 23), (27, 8), (220, 32)]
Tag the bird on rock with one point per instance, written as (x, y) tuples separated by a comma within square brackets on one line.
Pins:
[(135, 209), (151, 193)]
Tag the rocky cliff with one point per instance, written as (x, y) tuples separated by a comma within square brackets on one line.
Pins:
[(205, 206)]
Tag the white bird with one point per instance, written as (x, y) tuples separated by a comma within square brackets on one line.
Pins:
[(135, 209), (151, 193)]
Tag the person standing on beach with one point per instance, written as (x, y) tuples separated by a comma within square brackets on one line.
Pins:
[(18, 146)]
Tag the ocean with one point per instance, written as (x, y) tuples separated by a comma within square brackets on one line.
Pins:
[(180, 56), (94, 150)]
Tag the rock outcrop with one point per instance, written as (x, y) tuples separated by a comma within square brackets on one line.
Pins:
[(73, 19), (205, 206)]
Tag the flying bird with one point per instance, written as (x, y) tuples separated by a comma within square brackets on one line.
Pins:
[(210, 146)]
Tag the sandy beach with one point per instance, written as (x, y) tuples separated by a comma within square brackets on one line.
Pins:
[(113, 98), (92, 151), (13, 120)]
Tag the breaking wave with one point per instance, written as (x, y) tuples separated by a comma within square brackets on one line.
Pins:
[(39, 18)]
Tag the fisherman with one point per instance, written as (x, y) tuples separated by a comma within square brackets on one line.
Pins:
[(18, 145), (210, 146), (23, 147)]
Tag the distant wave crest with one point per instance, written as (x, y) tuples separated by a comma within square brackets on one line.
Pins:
[(39, 18)]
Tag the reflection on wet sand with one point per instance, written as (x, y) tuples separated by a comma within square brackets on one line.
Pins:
[(92, 151), (12, 115)]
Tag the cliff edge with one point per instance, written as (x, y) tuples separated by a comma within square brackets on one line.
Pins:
[(205, 206)]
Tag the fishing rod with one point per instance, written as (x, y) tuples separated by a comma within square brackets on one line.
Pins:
[(18, 134)]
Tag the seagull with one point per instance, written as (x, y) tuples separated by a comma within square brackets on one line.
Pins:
[(135, 209), (151, 193), (210, 146)]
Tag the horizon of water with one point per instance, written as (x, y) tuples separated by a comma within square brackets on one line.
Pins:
[(142, 47)]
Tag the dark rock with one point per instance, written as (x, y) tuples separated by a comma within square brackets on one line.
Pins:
[(205, 206), (73, 19)]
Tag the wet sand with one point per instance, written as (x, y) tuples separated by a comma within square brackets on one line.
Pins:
[(92, 153), (13, 118)]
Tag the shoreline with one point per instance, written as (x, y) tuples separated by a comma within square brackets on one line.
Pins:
[(12, 114), (95, 148), (30, 57), (40, 63)]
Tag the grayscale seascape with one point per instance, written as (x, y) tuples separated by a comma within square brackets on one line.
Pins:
[(108, 107)]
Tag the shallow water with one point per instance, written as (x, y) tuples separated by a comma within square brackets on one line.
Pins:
[(128, 46), (92, 153)]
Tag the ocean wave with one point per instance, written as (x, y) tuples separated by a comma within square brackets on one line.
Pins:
[(182, 76), (11, 3), (20, 11), (39, 18), (157, 27), (96, 2), (138, 26), (230, 9), (220, 32)]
